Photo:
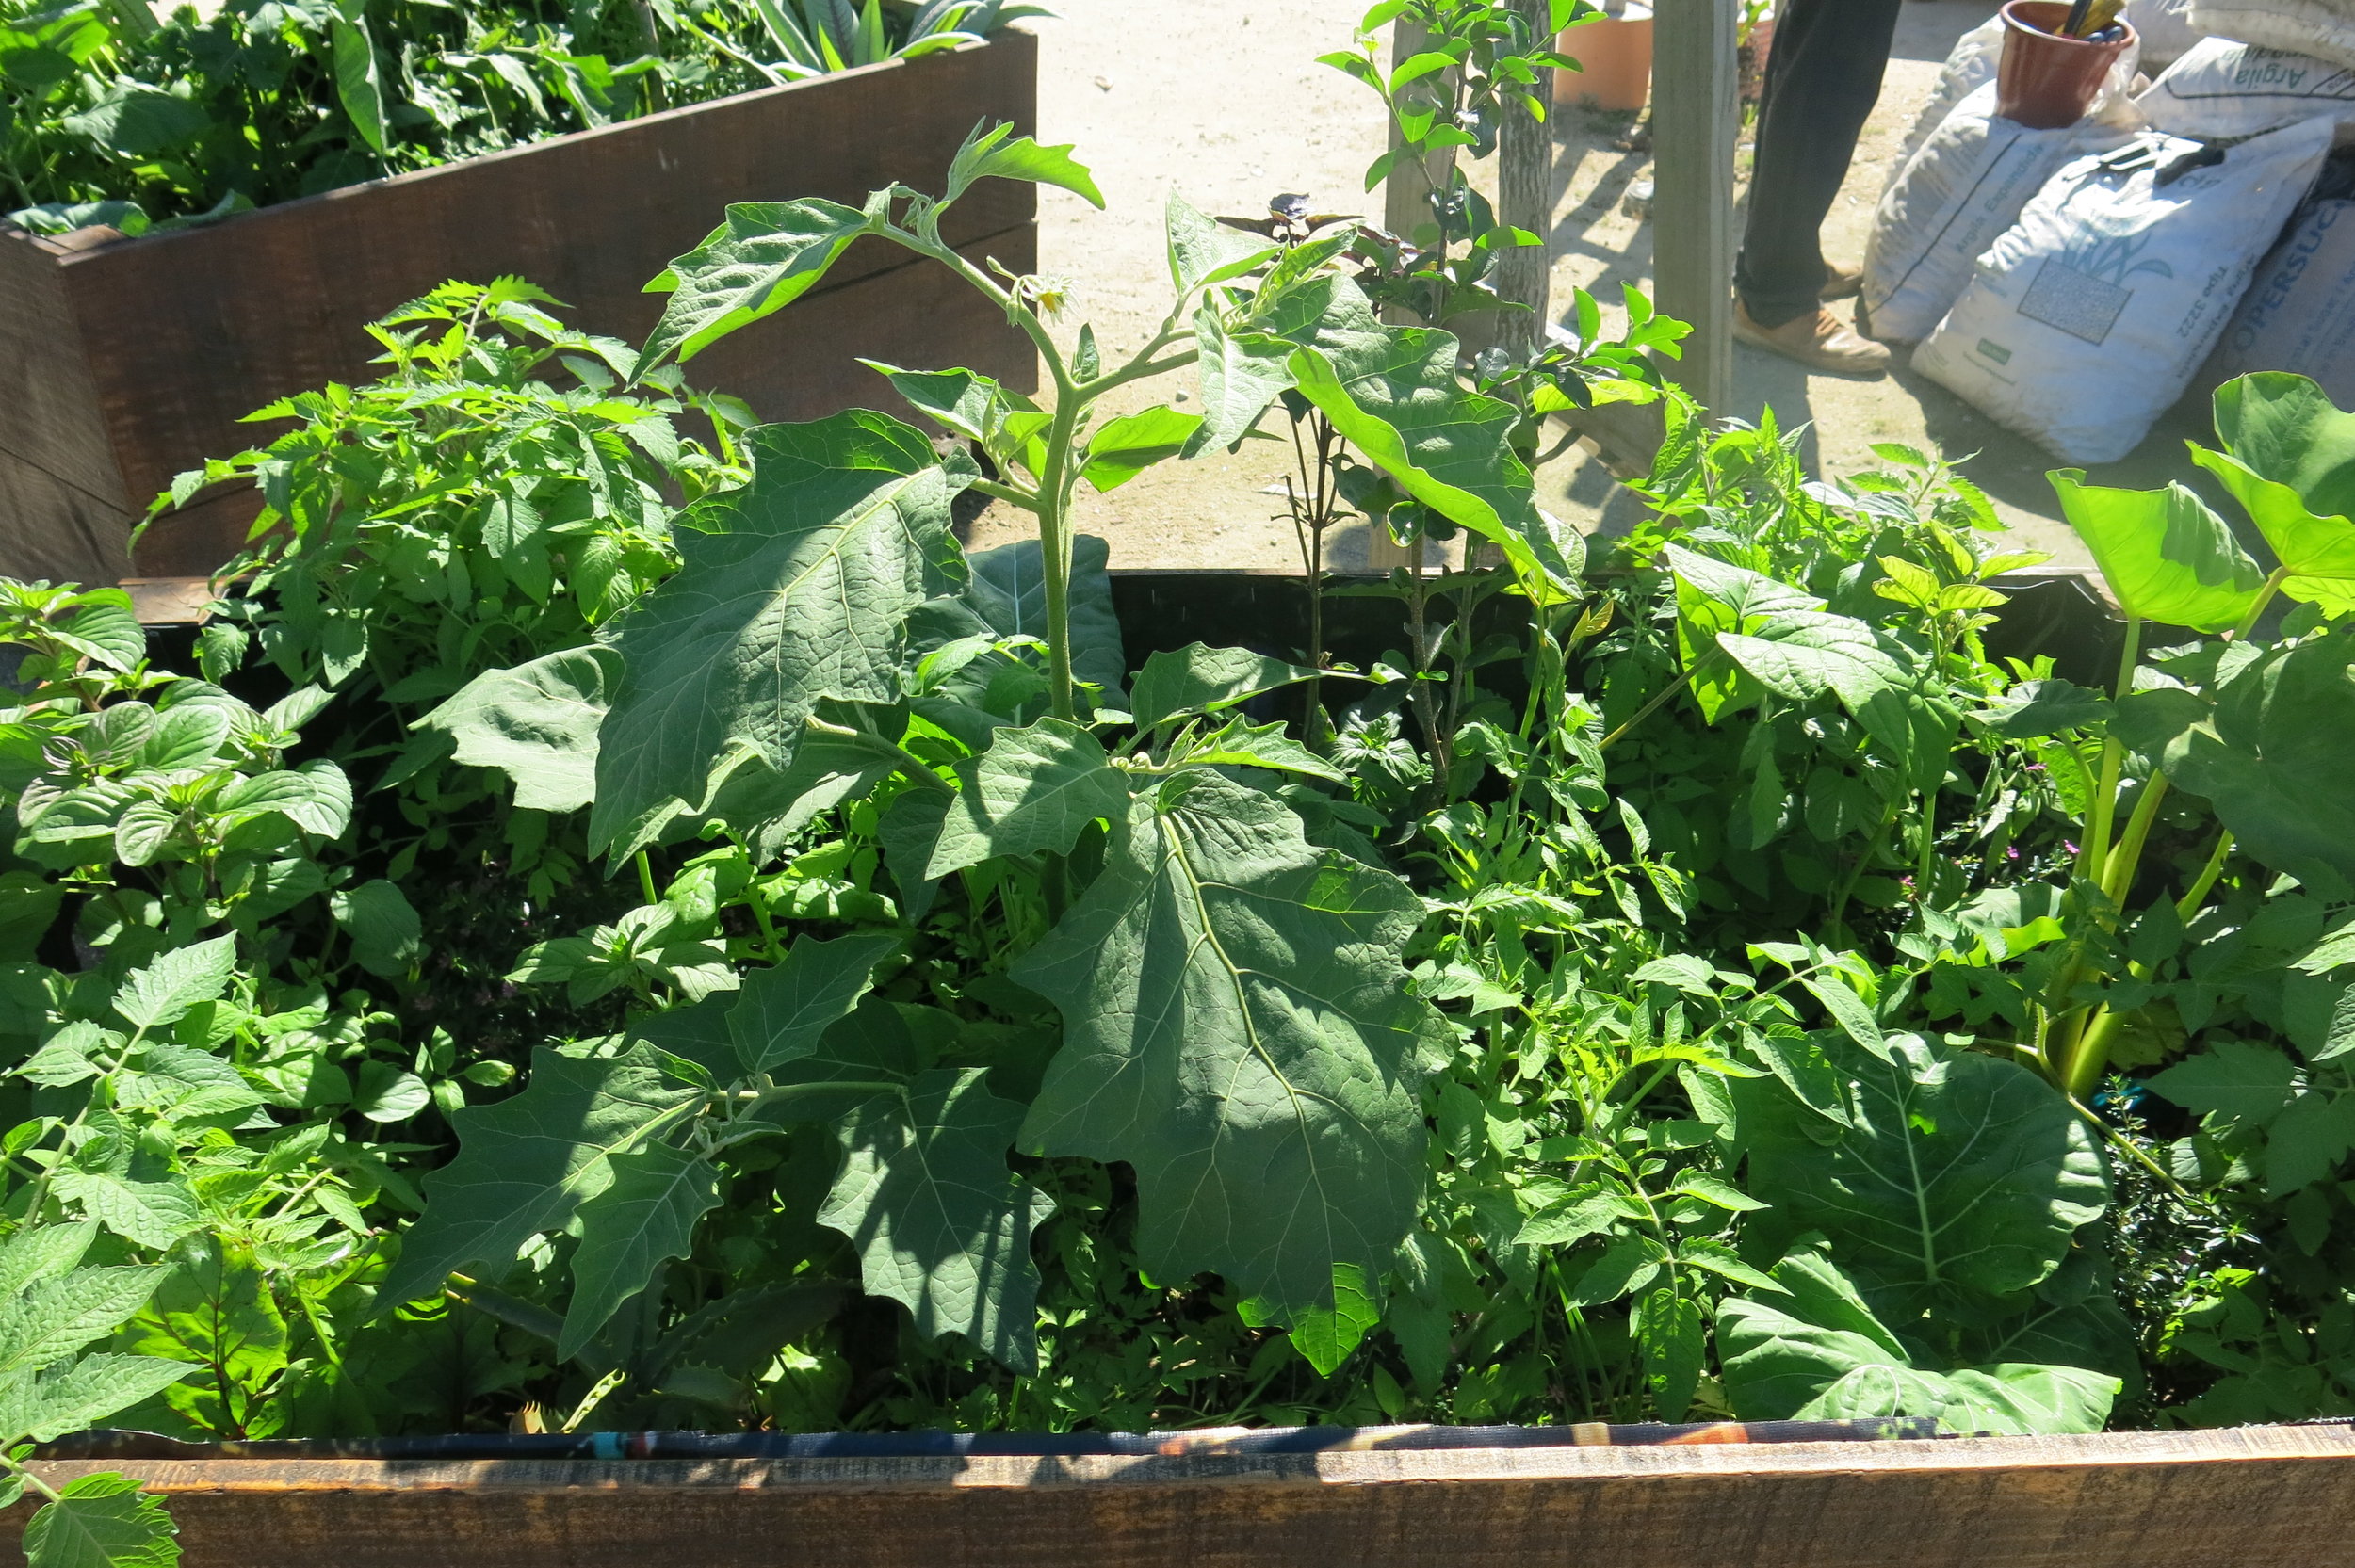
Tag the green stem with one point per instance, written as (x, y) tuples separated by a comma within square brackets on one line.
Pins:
[(1652, 705), (2119, 879), (917, 770), (2091, 857), (2264, 596), (645, 879), (2205, 883)]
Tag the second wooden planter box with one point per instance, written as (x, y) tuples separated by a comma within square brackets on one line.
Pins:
[(123, 362)]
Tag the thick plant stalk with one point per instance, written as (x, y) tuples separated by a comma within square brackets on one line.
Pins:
[(1525, 200)]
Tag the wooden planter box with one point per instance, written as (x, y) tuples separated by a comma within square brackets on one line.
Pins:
[(2258, 1497), (124, 361)]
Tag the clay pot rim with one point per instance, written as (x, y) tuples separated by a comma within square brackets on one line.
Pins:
[(2013, 23)]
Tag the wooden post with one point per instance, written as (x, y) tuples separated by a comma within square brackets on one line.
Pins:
[(1695, 117), (1406, 207), (1525, 200)]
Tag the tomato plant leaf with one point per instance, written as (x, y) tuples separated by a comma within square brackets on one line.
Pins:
[(101, 1520)]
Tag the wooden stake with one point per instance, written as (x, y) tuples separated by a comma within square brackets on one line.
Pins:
[(1696, 118)]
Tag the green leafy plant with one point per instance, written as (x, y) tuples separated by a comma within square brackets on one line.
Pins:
[(108, 115)]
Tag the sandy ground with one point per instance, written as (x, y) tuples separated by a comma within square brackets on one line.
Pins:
[(1224, 101)]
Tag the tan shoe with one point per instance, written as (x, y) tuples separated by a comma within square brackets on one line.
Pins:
[(1840, 283), (1819, 341)]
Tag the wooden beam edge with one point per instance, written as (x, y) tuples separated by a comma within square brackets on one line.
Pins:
[(2271, 1447)]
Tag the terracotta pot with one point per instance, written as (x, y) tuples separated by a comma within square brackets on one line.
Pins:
[(2046, 81), (1614, 65)]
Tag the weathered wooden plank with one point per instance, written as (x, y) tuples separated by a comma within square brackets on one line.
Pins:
[(122, 364), (800, 365), (2266, 1495), (1695, 117), (48, 403), (53, 529)]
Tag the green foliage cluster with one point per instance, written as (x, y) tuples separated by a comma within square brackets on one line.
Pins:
[(633, 926), (108, 115)]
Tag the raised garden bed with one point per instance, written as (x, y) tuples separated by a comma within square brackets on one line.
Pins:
[(123, 362), (2188, 1499)]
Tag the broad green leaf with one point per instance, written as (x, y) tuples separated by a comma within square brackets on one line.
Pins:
[(174, 981), (1240, 744), (314, 796), (1238, 1029), (1198, 679), (1586, 1212), (132, 120), (1126, 447), (1034, 789), (2166, 557), (1008, 591), (1960, 1176), (1804, 655), (2034, 709), (766, 255), (791, 589), (1394, 395), (2241, 1078), (525, 1165), (998, 152), (2289, 460), (940, 1222), (82, 1394), (101, 1520), (783, 1011), (105, 628), (1240, 374), (1203, 250), (2276, 755), (1326, 1336), (537, 723), (1713, 597), (646, 1216), (2009, 1400), (187, 736), (359, 85), (49, 1319), (386, 936), (964, 401), (388, 1091)]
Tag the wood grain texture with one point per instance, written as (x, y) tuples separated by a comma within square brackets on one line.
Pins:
[(177, 336), (1696, 116), (53, 529), (49, 414), (2263, 1497)]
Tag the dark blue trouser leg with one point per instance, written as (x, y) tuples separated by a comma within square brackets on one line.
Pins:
[(1821, 81)]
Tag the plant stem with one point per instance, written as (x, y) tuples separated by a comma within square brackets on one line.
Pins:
[(2205, 883), (2095, 851), (1652, 705)]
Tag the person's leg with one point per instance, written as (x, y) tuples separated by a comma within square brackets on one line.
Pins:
[(1821, 80)]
